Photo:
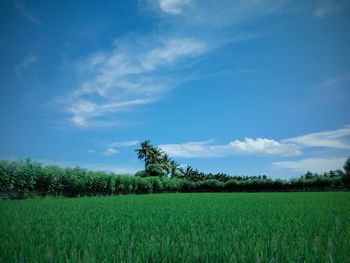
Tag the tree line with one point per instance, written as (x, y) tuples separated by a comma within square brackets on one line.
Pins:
[(24, 178), (158, 163)]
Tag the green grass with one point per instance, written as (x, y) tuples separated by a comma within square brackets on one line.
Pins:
[(210, 227)]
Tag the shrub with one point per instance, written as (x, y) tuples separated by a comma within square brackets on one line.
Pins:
[(6, 178), (172, 185), (155, 170), (141, 173), (142, 185), (210, 185), (232, 185), (156, 184)]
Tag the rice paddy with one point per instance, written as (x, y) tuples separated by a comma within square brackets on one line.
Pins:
[(193, 227)]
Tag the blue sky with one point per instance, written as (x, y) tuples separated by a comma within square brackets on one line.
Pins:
[(243, 87)]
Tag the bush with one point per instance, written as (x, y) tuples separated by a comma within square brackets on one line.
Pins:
[(141, 173), (210, 185), (142, 185), (232, 185), (172, 185), (6, 178), (155, 170), (156, 184)]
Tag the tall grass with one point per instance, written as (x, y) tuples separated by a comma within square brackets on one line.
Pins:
[(208, 227)]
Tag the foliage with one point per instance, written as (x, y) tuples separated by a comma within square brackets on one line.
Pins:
[(155, 170), (152, 155), (27, 178), (346, 176), (141, 173)]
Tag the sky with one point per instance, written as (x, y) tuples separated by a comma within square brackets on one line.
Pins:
[(242, 87)]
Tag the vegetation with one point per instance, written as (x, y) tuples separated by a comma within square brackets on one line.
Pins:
[(27, 178), (162, 174), (208, 227)]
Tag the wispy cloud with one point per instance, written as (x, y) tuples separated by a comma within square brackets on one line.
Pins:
[(25, 11), (339, 139), (127, 76), (25, 64), (173, 6), (113, 148), (325, 8), (110, 152), (124, 144), (318, 165), (335, 82), (195, 149)]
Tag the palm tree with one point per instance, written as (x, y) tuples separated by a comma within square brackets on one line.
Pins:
[(149, 153), (187, 172), (174, 166), (165, 162), (145, 152)]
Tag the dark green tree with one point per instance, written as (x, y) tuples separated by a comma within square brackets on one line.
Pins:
[(148, 153), (346, 177), (155, 170)]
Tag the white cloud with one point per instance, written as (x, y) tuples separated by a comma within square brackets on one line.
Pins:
[(318, 165), (110, 152), (26, 12), (173, 6), (25, 64), (249, 146), (112, 148), (127, 76), (339, 139), (194, 149), (265, 147), (123, 144)]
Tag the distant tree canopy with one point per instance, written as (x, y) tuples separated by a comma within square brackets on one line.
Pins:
[(347, 167), (346, 177), (156, 161)]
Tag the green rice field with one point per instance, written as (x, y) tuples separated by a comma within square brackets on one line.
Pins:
[(196, 227)]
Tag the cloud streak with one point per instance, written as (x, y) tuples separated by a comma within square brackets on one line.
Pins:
[(338, 139), (25, 64), (110, 152), (113, 148), (325, 8), (318, 165), (173, 6), (26, 12), (128, 76)]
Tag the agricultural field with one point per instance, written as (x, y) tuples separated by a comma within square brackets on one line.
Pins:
[(192, 227)]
